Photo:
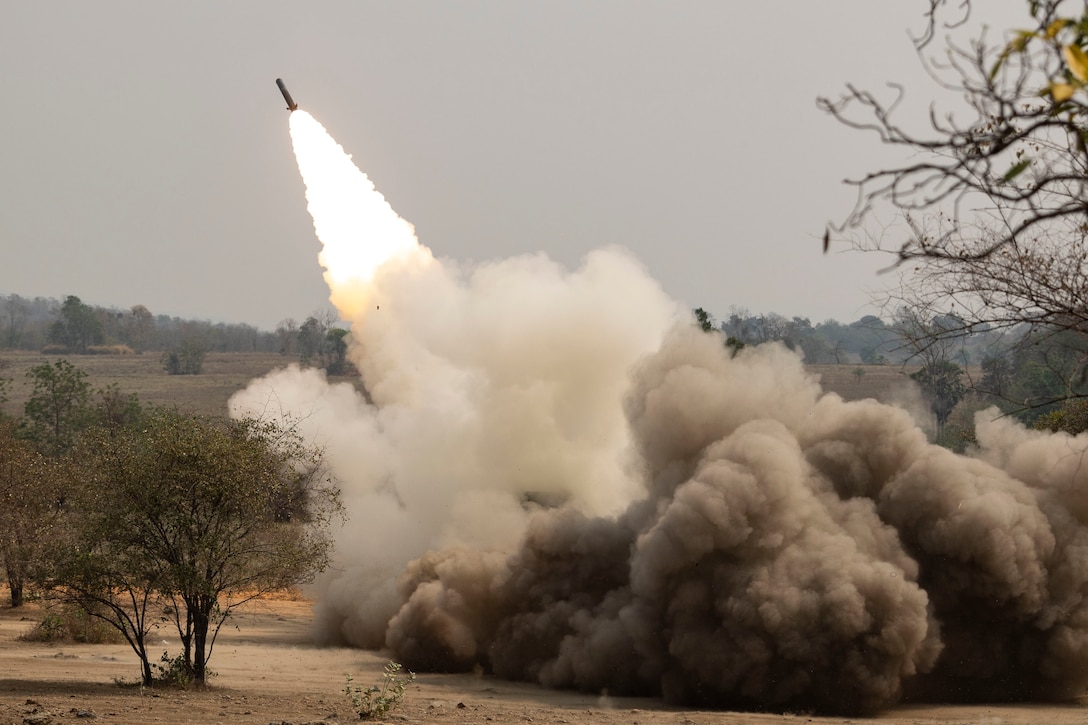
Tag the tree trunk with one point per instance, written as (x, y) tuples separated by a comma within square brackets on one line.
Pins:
[(16, 593), (187, 635), (15, 584), (201, 620), (145, 663)]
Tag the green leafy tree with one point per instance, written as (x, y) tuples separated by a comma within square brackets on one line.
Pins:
[(942, 383), (58, 407), (336, 348), (322, 344), (78, 327), (199, 514), (29, 508), (1036, 374), (703, 319), (311, 341)]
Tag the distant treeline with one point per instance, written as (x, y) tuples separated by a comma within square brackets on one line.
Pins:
[(868, 340), (1034, 373), (71, 326)]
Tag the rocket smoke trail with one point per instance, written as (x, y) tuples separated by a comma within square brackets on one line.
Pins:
[(559, 479)]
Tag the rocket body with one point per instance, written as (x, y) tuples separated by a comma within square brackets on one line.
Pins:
[(291, 105)]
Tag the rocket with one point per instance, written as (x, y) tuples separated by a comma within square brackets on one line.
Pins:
[(291, 105)]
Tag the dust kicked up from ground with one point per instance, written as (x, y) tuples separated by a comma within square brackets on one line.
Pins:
[(557, 478)]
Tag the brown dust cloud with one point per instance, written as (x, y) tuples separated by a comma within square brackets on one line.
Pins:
[(556, 477)]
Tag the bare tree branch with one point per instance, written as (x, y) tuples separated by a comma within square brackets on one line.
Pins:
[(991, 206)]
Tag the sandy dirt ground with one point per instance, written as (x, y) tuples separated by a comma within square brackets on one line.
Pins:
[(269, 673)]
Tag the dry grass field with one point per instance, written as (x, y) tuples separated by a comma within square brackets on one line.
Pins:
[(855, 382), (226, 373), (208, 393)]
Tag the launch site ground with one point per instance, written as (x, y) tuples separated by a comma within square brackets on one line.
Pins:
[(268, 672)]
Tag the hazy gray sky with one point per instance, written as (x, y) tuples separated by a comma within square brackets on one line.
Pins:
[(146, 160)]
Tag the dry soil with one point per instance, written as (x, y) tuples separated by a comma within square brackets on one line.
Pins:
[(269, 673)]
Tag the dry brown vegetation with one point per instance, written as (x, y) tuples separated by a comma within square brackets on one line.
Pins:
[(874, 381), (228, 372), (207, 393)]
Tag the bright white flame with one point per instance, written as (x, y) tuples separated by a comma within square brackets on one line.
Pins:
[(489, 386), (358, 229)]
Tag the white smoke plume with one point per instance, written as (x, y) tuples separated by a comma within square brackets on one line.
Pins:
[(558, 478)]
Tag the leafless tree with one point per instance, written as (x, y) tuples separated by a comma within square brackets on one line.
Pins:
[(287, 331), (992, 202)]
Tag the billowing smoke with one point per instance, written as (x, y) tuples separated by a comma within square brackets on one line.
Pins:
[(554, 476)]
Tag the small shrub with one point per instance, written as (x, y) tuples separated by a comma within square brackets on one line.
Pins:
[(50, 629), (375, 702), (70, 623), (109, 350), (174, 671), (188, 359)]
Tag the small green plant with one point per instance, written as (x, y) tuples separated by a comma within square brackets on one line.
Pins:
[(375, 702), (175, 671)]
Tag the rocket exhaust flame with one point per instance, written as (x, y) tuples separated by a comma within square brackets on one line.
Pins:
[(358, 229), (721, 532)]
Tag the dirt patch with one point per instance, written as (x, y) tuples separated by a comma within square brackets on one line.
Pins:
[(268, 672)]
